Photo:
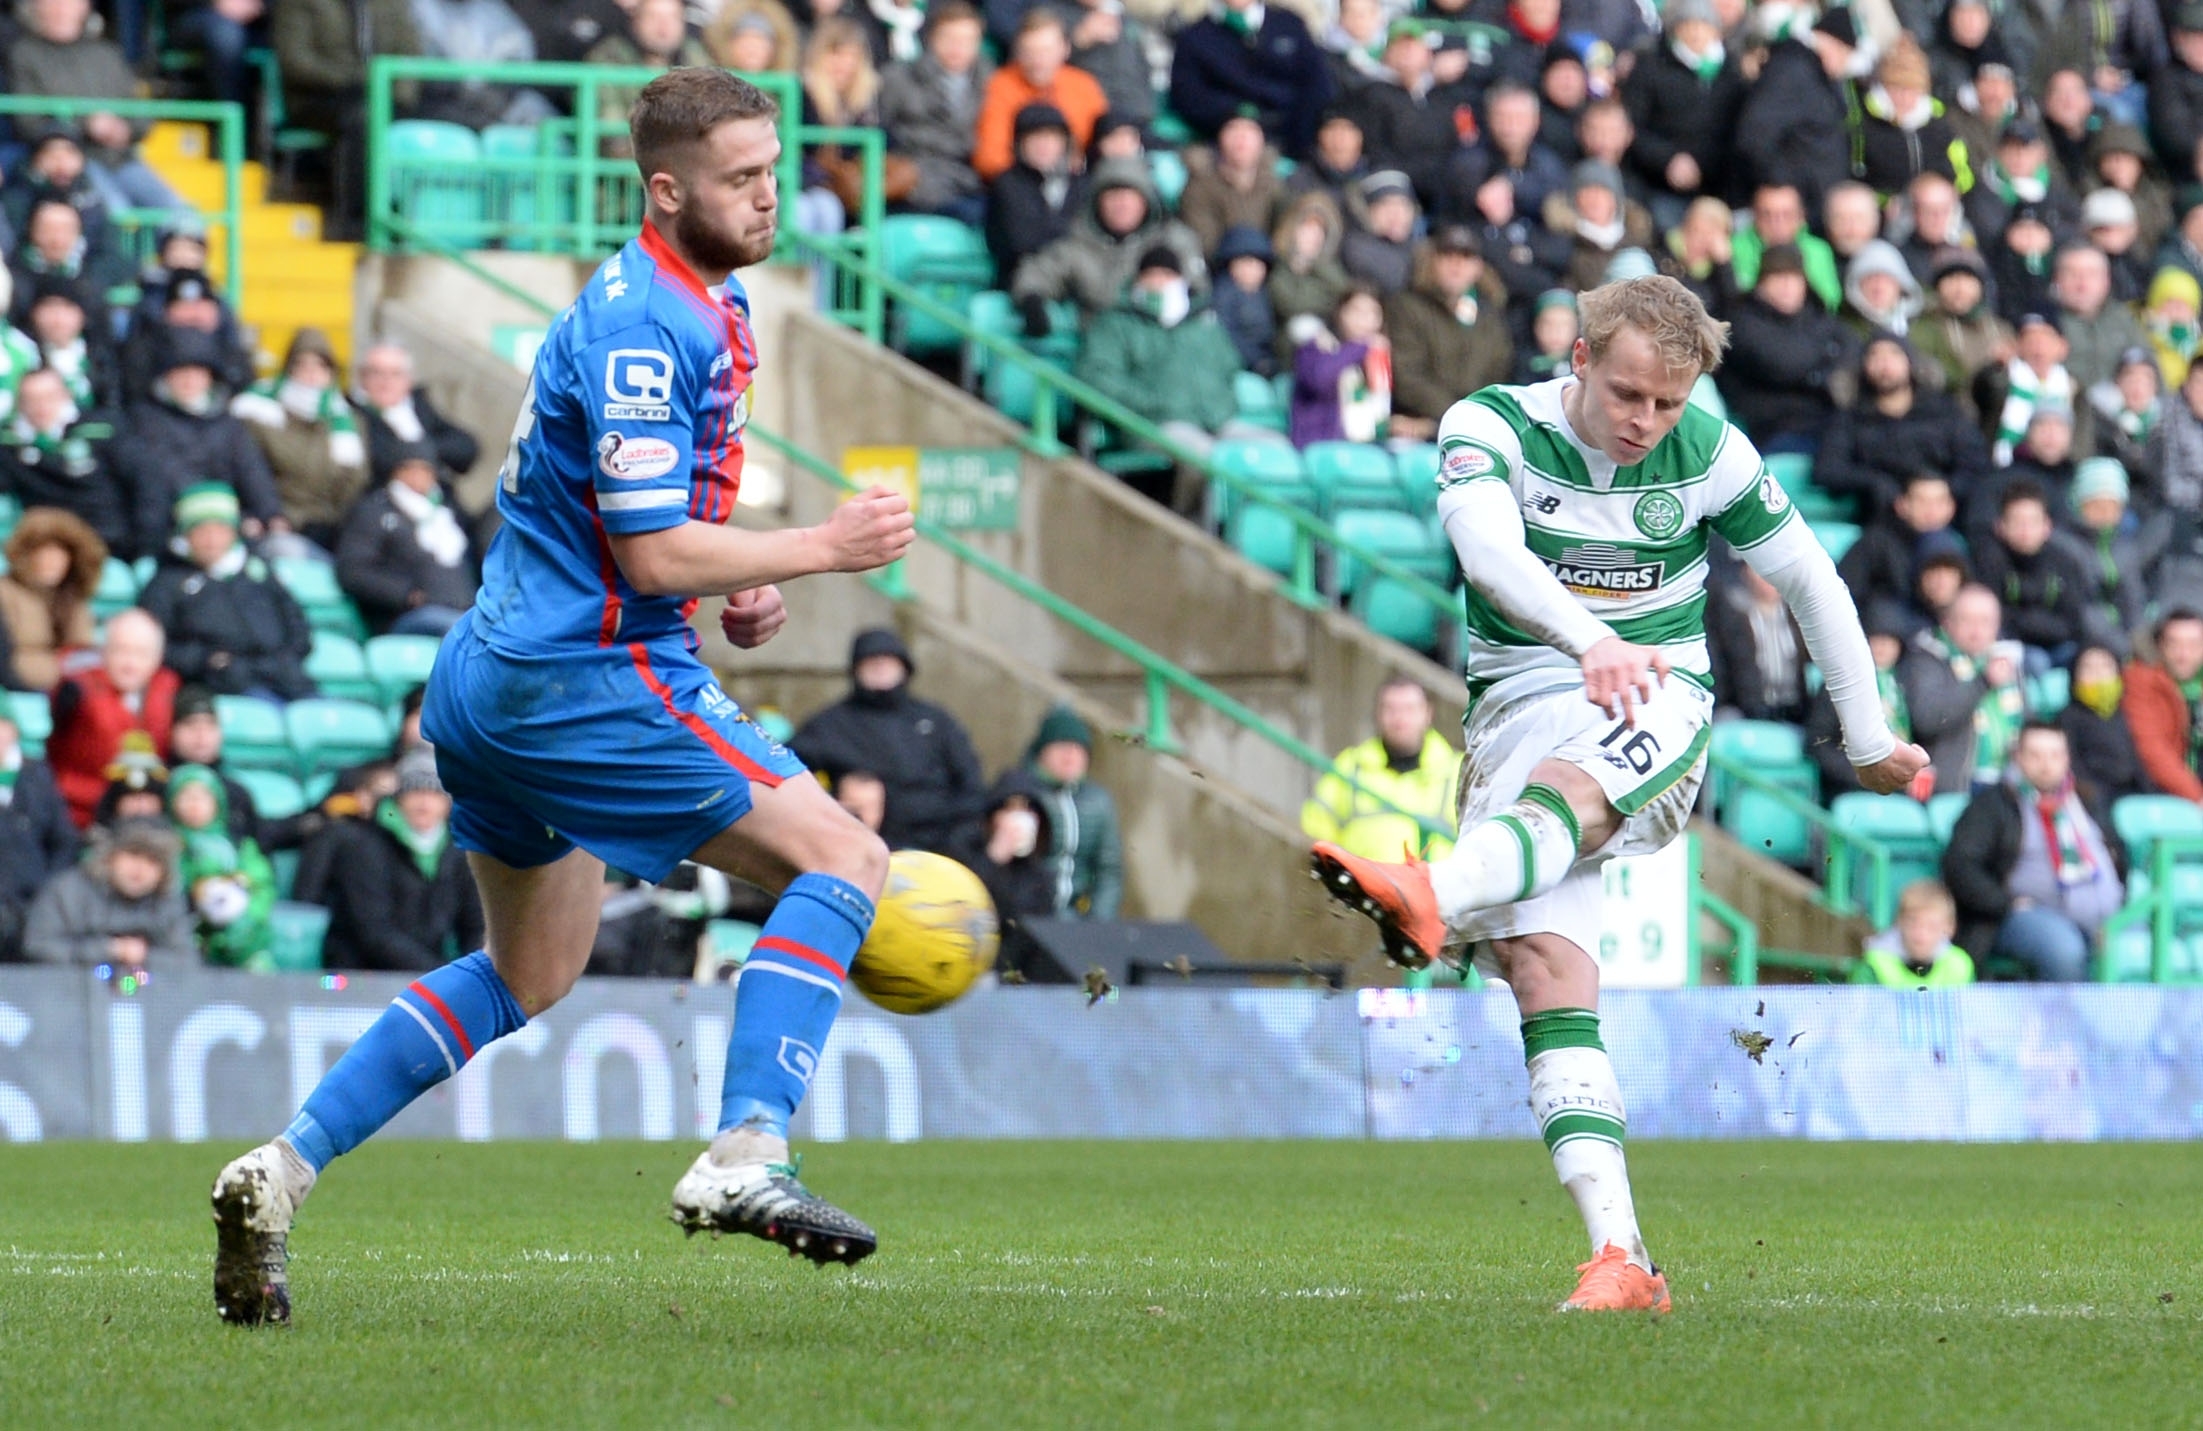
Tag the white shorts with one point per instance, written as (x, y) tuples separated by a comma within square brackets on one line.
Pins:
[(1651, 774)]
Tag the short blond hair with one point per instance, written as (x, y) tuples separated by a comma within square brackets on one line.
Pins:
[(1926, 896), (1662, 309)]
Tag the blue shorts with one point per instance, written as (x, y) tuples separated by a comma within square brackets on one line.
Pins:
[(632, 752)]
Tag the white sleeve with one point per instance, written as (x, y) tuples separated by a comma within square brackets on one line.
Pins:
[(1485, 527), (1798, 566)]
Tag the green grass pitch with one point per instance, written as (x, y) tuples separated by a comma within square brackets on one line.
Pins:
[(1054, 1284)]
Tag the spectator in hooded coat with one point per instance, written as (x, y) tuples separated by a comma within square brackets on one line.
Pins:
[(1086, 851), (53, 567), (120, 907), (184, 434), (307, 432), (1096, 261), (935, 789), (1011, 850), (1241, 297), (1896, 430)]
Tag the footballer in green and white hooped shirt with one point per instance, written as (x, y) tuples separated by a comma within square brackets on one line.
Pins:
[(1581, 509)]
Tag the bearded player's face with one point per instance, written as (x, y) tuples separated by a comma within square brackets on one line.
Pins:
[(730, 198)]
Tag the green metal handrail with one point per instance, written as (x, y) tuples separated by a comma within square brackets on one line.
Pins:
[(1054, 386), (590, 170), (1845, 847), (228, 121), (2156, 907), (1743, 938), (1161, 676)]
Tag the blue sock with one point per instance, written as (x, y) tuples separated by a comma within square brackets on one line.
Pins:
[(785, 1003), (426, 1036)]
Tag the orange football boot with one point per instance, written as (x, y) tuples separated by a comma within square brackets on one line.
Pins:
[(1398, 896), (1612, 1283)]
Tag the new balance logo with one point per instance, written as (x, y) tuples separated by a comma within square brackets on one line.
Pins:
[(1543, 503)]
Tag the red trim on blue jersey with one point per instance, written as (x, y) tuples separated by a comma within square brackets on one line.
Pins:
[(670, 263), (698, 726), (608, 626)]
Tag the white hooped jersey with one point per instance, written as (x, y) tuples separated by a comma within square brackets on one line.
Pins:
[(1629, 543)]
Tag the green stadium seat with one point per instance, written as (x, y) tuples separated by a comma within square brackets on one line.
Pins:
[(1403, 538), (299, 932), (942, 258), (253, 734), (1793, 471), (436, 179), (1395, 610), (1258, 401), (400, 663), (508, 141), (2143, 820), (1273, 466), (1417, 465), (34, 721), (1707, 398), (117, 591), (338, 667), (329, 735), (1167, 167), (1776, 752), (1353, 475), (730, 940), (2050, 692), (1902, 825), (275, 795), (1167, 128), (313, 585), (11, 512), (1836, 537), (524, 196), (1264, 535), (1943, 813)]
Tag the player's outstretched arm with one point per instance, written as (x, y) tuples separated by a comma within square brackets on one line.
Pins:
[(1488, 539), (700, 559), (1798, 566)]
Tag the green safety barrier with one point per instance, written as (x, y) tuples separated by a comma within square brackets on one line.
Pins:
[(551, 187), (141, 227), (2159, 909)]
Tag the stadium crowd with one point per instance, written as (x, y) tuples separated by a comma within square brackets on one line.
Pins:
[(1959, 244)]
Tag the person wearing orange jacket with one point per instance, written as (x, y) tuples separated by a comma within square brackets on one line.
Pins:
[(2164, 705)]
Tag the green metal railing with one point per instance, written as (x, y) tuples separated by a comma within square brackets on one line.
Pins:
[(1844, 848), (140, 226), (553, 187), (1161, 676), (1056, 390), (2159, 909)]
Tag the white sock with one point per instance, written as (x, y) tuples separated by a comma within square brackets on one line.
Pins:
[(1578, 1106), (1517, 854)]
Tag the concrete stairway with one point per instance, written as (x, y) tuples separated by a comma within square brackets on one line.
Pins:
[(293, 279)]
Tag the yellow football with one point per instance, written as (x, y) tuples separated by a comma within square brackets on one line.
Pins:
[(935, 934)]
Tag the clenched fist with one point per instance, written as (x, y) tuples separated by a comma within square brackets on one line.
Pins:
[(868, 531), (753, 617)]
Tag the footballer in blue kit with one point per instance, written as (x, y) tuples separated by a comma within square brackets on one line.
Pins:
[(574, 726)]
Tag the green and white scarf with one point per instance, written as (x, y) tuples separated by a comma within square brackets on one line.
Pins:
[(427, 850), (274, 402), (1894, 709), (2060, 813)]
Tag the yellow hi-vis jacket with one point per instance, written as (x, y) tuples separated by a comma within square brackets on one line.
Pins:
[(1360, 820)]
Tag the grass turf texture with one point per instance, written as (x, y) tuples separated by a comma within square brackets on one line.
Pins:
[(1037, 1284)]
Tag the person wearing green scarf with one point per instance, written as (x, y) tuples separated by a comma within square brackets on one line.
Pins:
[(230, 883), (308, 433), (401, 897), (1962, 698)]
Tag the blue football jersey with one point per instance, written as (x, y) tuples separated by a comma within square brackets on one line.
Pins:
[(632, 423)]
